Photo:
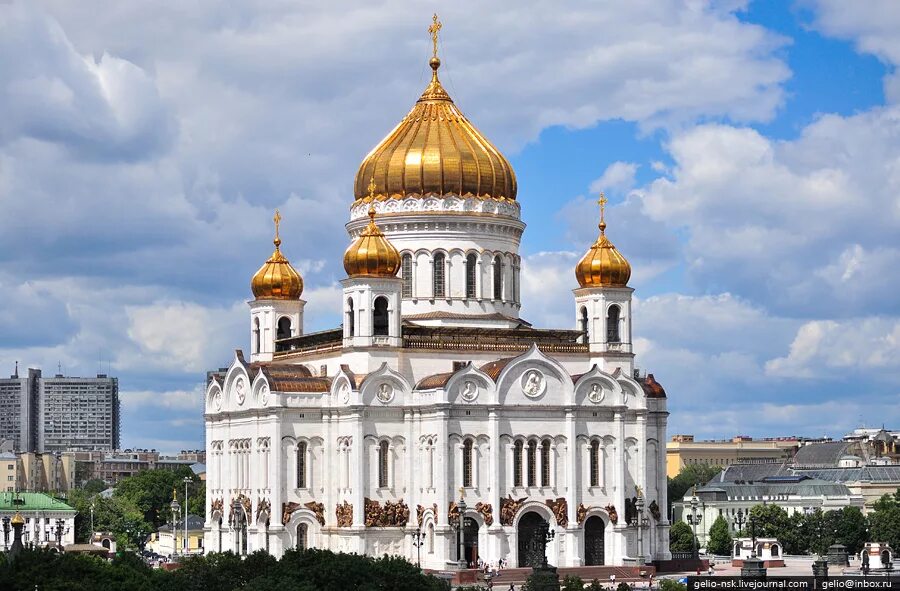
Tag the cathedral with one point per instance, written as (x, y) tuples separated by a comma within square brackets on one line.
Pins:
[(435, 423)]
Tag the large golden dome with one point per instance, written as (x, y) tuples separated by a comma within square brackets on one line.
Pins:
[(603, 265), (371, 254), (277, 279), (435, 150)]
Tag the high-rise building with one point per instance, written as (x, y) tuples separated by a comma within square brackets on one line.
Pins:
[(78, 413), (18, 409)]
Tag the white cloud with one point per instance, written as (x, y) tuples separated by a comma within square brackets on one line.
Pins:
[(618, 176), (179, 400), (825, 348)]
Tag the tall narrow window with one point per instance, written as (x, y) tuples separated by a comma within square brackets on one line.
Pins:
[(431, 538), (595, 463), (284, 327), (467, 462), (584, 325), (302, 531), (471, 265), (545, 462), (380, 316), (517, 464), (532, 463), (439, 283), (351, 318), (406, 274), (383, 464), (515, 280), (612, 325), (301, 465), (256, 335), (498, 278)]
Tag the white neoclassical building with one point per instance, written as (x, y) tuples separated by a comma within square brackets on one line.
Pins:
[(434, 390)]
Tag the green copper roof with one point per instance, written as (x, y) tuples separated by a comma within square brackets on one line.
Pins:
[(32, 502)]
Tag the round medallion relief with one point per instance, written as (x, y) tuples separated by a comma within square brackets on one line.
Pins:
[(469, 391), (217, 400), (239, 390), (385, 393), (533, 383), (264, 395), (345, 394), (595, 394)]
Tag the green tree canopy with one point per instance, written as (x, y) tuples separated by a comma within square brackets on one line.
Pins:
[(681, 537), (719, 538), (690, 475), (884, 520)]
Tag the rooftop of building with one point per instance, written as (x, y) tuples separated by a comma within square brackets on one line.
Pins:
[(774, 486), (194, 523), (31, 501)]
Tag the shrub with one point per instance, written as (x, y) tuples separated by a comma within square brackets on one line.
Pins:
[(572, 583), (671, 585)]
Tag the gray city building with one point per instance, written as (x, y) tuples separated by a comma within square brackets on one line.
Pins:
[(18, 409)]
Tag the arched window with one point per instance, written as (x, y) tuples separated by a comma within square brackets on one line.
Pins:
[(431, 538), (351, 318), (383, 464), (380, 316), (302, 531), (584, 325), (517, 463), (515, 279), (595, 463), (301, 465), (612, 324), (471, 264), (545, 462), (406, 274), (532, 463), (256, 335), (439, 285), (467, 462), (284, 327), (498, 278)]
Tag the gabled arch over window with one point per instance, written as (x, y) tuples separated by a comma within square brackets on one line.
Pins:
[(545, 462), (380, 316), (517, 463), (471, 269), (301, 464), (498, 277), (406, 274), (467, 462), (532, 463), (439, 284), (612, 324), (595, 463), (383, 464)]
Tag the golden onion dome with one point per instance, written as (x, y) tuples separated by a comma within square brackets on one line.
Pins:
[(371, 254), (603, 265), (17, 519), (277, 279), (435, 150)]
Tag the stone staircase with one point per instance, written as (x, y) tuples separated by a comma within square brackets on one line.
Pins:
[(628, 574)]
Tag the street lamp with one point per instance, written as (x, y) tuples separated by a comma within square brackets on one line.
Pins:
[(176, 511), (418, 540), (695, 518), (753, 535), (6, 533), (60, 526), (187, 544), (237, 512), (543, 535), (641, 523)]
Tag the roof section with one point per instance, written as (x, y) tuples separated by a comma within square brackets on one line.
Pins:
[(438, 380), (495, 368), (31, 502), (752, 472), (826, 454), (438, 315)]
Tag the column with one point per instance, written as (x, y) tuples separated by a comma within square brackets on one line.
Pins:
[(412, 449), (620, 547), (358, 477), (328, 459), (493, 483), (572, 491)]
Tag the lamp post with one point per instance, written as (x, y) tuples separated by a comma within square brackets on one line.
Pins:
[(6, 533), (753, 536), (695, 518), (418, 540), (187, 544), (176, 511), (237, 520), (461, 532), (641, 523), (739, 520), (60, 526)]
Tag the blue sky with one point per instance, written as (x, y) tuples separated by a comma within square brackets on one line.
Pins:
[(750, 150)]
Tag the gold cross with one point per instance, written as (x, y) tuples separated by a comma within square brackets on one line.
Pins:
[(434, 29), (277, 219), (602, 201)]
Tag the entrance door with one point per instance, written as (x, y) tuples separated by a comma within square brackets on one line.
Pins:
[(470, 541), (594, 529), (531, 549)]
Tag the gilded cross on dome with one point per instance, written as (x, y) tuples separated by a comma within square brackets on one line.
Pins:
[(434, 29), (371, 198), (602, 201), (277, 220)]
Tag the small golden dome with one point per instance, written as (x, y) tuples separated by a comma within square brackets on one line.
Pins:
[(277, 279), (603, 265), (371, 255), (435, 150), (17, 519)]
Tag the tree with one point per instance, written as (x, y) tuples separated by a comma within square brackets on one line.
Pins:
[(572, 583), (771, 521), (150, 492), (884, 520), (689, 476), (850, 528), (719, 538), (681, 537)]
